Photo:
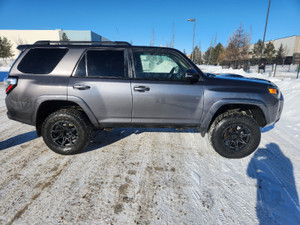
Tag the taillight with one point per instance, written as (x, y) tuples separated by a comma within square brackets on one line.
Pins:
[(10, 83)]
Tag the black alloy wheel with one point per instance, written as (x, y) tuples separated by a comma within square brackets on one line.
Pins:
[(64, 134), (234, 135), (67, 131)]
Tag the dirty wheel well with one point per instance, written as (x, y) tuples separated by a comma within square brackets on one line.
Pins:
[(251, 110), (48, 107)]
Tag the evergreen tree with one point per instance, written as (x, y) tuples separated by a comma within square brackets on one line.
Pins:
[(197, 55), (216, 53), (257, 49), (231, 53), (207, 56), (65, 37), (269, 52), (279, 59), (5, 48)]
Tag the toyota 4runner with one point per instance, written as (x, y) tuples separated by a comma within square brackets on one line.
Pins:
[(65, 89)]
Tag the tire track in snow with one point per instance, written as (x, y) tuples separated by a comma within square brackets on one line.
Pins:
[(29, 189), (12, 164), (147, 184)]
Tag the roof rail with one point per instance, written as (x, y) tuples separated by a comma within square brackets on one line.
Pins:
[(82, 43)]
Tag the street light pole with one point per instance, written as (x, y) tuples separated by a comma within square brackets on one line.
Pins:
[(263, 44), (193, 20)]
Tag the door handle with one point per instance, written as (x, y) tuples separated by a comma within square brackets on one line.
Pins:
[(141, 88), (81, 86)]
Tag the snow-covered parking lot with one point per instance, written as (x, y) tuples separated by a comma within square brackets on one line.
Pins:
[(152, 176)]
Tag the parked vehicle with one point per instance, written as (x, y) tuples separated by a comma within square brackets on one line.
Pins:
[(67, 89)]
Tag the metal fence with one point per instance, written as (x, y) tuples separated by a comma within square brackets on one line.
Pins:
[(288, 71)]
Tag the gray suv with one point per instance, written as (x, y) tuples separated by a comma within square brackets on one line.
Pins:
[(67, 89)]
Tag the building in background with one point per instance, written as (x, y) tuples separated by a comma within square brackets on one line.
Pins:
[(291, 46), (18, 37)]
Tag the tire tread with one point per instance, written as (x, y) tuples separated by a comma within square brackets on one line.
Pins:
[(80, 117), (242, 116)]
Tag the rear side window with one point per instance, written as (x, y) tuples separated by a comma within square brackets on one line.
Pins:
[(103, 63), (81, 69), (41, 60)]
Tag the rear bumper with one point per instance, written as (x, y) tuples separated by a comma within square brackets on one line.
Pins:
[(22, 119), (20, 111)]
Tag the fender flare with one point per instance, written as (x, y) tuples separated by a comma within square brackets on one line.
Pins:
[(80, 102), (207, 116)]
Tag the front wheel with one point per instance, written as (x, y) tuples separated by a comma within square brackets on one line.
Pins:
[(234, 135), (66, 131)]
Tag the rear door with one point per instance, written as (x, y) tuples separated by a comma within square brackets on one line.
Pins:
[(161, 95), (101, 81)]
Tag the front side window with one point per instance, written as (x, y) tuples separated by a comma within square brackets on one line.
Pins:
[(41, 60), (158, 65), (103, 63)]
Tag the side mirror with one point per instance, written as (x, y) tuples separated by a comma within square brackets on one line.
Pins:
[(191, 75)]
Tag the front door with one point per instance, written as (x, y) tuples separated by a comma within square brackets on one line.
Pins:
[(161, 95)]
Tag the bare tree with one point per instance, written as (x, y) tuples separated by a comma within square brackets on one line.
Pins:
[(215, 42), (250, 34), (117, 30), (152, 40), (172, 44), (210, 51), (238, 47), (20, 41)]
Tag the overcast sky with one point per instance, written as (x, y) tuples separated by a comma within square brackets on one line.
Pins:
[(134, 20)]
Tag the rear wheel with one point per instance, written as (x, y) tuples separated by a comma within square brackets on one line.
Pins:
[(67, 131), (234, 135)]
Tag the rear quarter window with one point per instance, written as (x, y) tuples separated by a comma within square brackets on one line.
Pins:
[(41, 60)]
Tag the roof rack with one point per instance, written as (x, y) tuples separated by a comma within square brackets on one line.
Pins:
[(124, 43)]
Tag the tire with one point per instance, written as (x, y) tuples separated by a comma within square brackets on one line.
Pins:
[(234, 135), (67, 131)]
